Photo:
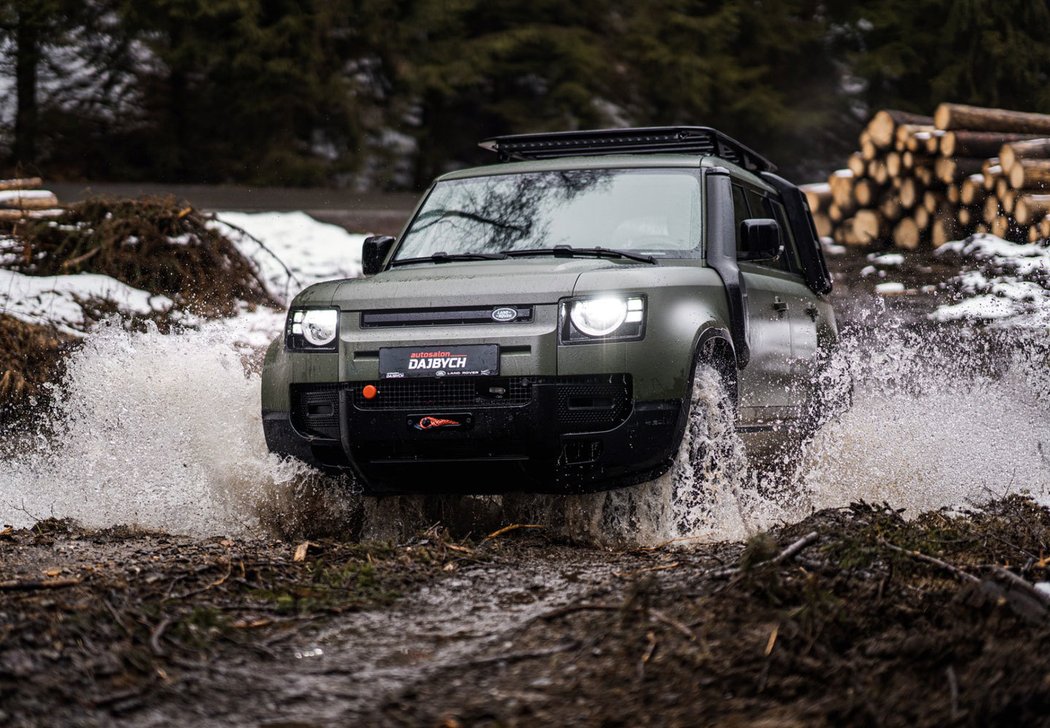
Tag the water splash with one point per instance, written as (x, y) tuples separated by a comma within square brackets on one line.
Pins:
[(160, 431), (163, 431)]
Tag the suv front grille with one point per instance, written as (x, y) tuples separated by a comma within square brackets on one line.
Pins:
[(581, 403), (447, 316), (469, 392)]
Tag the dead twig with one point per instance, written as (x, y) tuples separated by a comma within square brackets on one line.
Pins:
[(156, 634), (1016, 582), (508, 529), (954, 570), (221, 580), (780, 558), (671, 622), (291, 276)]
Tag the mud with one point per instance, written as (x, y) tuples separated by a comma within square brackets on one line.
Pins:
[(852, 616)]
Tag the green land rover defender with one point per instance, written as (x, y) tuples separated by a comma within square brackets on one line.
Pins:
[(538, 324)]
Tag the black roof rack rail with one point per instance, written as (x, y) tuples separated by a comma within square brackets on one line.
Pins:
[(642, 140)]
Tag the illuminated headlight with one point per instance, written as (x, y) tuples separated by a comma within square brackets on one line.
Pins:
[(605, 318), (313, 329)]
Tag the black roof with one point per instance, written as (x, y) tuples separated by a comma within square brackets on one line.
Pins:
[(642, 140)]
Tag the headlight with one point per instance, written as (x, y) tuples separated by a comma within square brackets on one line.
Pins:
[(313, 329), (606, 318), (598, 316)]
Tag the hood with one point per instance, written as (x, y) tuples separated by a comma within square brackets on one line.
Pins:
[(521, 281)]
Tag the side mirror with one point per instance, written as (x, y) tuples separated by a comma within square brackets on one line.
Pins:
[(761, 237), (373, 252)]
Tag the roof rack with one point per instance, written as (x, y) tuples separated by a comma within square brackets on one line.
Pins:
[(643, 140)]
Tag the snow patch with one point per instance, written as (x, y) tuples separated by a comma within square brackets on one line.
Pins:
[(1008, 285), (313, 251), (57, 299)]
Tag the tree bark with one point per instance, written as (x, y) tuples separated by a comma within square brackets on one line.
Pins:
[(954, 169), (27, 64), (951, 117), (976, 143), (1030, 174), (1029, 208), (1009, 153), (882, 126)]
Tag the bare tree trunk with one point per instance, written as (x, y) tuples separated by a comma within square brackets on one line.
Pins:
[(27, 63)]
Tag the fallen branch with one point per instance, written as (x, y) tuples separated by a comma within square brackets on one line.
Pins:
[(1020, 584), (955, 570), (261, 244), (789, 552), (34, 584)]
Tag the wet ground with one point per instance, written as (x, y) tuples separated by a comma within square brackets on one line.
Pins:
[(851, 616)]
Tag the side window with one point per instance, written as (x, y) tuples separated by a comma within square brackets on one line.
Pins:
[(740, 213), (763, 206), (790, 245)]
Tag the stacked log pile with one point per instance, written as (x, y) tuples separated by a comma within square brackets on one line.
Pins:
[(23, 197), (921, 180)]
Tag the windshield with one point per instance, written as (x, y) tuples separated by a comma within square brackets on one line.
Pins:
[(655, 211)]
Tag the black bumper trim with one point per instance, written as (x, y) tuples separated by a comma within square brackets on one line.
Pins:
[(505, 450)]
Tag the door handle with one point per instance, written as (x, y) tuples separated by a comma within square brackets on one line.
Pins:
[(779, 306), (812, 311)]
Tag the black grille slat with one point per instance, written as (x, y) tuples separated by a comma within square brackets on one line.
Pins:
[(581, 403), (315, 410), (443, 316), (593, 406), (445, 393)]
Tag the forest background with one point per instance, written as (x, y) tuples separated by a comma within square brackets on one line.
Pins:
[(383, 95)]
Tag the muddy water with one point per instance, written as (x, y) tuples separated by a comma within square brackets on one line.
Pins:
[(345, 670)]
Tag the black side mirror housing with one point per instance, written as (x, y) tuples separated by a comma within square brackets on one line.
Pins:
[(762, 239), (373, 252)]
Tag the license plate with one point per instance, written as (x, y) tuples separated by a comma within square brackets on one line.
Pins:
[(474, 360)]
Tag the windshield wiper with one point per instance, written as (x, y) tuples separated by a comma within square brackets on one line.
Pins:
[(448, 258), (567, 251)]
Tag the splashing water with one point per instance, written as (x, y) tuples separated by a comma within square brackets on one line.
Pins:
[(163, 431), (159, 431)]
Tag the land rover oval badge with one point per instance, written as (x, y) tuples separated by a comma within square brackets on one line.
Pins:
[(504, 314)]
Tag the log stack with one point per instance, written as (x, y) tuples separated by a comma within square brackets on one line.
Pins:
[(924, 180), (23, 197)]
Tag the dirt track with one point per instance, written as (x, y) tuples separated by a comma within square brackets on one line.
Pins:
[(447, 628), (837, 620)]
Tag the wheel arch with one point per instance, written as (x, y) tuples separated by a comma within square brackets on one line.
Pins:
[(714, 346)]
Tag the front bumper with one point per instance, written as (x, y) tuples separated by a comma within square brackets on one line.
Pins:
[(539, 434)]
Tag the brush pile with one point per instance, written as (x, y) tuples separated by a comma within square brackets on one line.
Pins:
[(63, 270), (921, 180)]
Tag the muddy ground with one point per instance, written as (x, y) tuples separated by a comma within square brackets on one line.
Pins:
[(854, 616)]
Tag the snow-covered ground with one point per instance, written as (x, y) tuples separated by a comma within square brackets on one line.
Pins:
[(1004, 283), (291, 249)]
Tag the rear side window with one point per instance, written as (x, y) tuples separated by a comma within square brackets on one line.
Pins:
[(761, 205), (740, 213)]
